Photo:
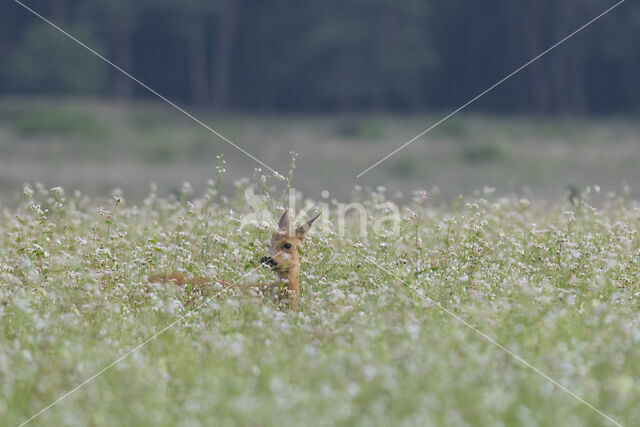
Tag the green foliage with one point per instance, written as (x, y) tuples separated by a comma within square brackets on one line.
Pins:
[(393, 45), (454, 127), (59, 122), (359, 128), (482, 152), (407, 166), (47, 62), (371, 345), (363, 55)]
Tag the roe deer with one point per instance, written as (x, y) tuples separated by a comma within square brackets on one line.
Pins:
[(283, 258)]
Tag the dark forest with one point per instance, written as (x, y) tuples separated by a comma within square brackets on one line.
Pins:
[(332, 55)]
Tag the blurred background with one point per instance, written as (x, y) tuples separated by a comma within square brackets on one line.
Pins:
[(342, 83)]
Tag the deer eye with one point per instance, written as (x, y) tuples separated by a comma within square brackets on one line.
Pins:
[(287, 246)]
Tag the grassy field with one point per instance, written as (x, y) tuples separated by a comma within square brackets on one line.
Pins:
[(98, 146), (557, 283)]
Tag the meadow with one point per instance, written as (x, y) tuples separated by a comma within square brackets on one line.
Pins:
[(96, 146), (375, 341)]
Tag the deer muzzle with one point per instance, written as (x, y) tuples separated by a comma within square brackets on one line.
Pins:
[(268, 261)]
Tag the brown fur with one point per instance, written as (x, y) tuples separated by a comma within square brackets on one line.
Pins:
[(180, 279), (283, 258)]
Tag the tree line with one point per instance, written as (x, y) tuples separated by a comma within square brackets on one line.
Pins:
[(344, 55)]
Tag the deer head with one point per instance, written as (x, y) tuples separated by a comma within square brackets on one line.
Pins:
[(283, 246)]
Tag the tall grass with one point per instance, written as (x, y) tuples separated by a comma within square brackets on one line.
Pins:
[(555, 283)]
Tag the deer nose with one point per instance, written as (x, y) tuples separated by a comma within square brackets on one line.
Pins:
[(268, 261)]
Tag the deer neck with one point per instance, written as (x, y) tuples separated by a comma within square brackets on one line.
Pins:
[(289, 279)]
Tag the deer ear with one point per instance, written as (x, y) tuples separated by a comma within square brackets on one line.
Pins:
[(285, 221), (301, 231)]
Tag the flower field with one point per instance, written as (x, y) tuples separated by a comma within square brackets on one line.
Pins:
[(379, 338)]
